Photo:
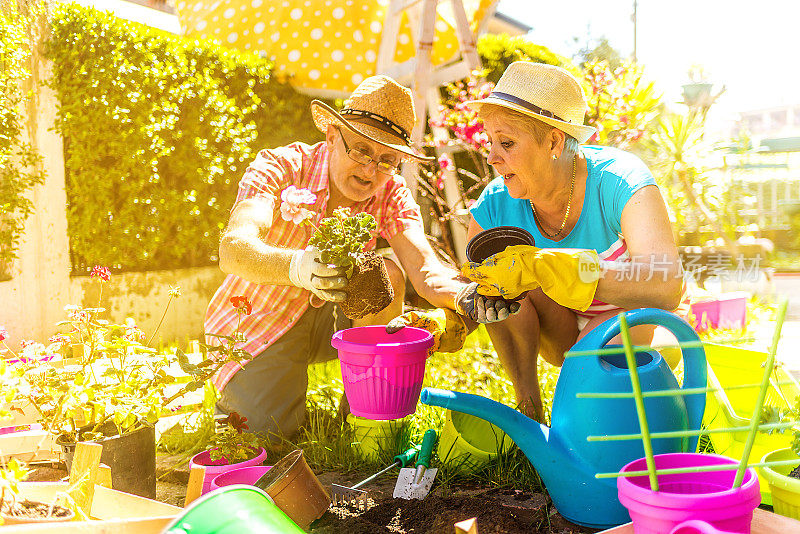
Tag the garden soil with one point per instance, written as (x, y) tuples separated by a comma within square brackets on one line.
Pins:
[(498, 510), (369, 290)]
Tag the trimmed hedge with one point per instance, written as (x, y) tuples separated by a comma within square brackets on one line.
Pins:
[(499, 51), (157, 131)]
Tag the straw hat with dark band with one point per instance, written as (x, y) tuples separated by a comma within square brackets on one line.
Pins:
[(379, 109), (546, 93)]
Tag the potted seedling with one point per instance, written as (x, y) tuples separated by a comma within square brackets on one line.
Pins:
[(783, 479), (341, 239), (231, 447), (14, 509)]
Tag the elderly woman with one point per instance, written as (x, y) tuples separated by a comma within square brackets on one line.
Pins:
[(600, 200)]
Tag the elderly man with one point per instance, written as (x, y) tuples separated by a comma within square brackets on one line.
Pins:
[(293, 295)]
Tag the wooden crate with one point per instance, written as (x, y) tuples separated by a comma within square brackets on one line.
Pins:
[(113, 512)]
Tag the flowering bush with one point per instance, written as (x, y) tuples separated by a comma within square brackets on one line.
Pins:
[(621, 103)]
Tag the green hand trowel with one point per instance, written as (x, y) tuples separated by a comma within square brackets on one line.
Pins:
[(415, 483)]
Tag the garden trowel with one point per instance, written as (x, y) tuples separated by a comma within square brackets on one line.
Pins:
[(415, 483)]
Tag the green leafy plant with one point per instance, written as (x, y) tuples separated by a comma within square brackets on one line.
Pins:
[(231, 441), (341, 238)]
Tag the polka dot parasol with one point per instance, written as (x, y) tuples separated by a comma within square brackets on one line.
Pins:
[(327, 46)]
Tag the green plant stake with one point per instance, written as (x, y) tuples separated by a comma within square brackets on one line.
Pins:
[(637, 391), (762, 394)]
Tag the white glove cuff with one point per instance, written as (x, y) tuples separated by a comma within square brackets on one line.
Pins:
[(294, 268)]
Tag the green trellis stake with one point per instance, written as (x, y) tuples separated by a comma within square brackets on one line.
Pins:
[(630, 357), (762, 394)]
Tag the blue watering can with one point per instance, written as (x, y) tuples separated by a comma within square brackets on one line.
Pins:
[(565, 460)]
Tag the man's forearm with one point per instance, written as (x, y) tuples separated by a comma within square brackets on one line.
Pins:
[(252, 259)]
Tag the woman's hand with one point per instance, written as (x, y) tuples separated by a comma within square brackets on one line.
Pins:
[(482, 308)]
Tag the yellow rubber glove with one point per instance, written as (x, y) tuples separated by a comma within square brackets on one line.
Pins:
[(447, 327), (568, 276)]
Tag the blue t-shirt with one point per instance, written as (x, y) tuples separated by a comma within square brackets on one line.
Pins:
[(614, 175)]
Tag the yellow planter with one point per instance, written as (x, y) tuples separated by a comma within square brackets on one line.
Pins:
[(469, 442), (785, 490), (730, 408), (373, 437)]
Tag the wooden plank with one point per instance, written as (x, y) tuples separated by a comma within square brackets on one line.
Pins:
[(104, 476), (763, 523), (30, 446), (83, 474), (149, 525), (195, 485), (107, 503)]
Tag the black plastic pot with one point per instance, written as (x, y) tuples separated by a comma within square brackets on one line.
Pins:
[(494, 240), (131, 456)]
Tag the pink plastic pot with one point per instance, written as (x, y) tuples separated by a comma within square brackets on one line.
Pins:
[(243, 475), (215, 468), (696, 526), (727, 311), (706, 497), (19, 428), (382, 372)]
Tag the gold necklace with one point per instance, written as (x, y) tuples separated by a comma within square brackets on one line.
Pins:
[(569, 204)]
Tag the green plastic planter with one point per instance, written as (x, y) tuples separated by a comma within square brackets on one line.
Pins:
[(785, 490), (232, 510)]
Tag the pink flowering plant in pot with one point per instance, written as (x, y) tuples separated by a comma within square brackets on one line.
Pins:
[(341, 240), (115, 385)]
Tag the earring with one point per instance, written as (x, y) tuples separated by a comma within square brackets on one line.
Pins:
[(555, 157)]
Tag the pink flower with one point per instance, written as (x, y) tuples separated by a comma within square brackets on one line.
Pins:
[(3, 333), (445, 162), (102, 272), (60, 339), (291, 199), (439, 183)]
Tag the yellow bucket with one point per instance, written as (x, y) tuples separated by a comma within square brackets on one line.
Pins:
[(469, 442), (785, 490), (371, 437)]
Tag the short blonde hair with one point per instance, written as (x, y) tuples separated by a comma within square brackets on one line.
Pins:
[(536, 128)]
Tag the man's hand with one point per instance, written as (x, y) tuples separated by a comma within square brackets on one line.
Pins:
[(447, 327), (324, 281), (482, 309)]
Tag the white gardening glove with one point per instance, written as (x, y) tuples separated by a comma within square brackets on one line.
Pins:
[(323, 280), (482, 309)]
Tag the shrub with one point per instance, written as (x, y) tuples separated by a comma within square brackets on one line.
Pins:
[(157, 131), (20, 163)]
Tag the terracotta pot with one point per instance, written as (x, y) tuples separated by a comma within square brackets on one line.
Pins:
[(494, 240), (295, 489), (16, 520)]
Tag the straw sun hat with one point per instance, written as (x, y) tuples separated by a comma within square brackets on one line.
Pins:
[(379, 109), (546, 93)]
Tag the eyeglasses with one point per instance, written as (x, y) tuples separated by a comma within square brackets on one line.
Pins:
[(365, 159)]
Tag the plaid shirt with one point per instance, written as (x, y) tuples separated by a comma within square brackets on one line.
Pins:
[(276, 308)]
